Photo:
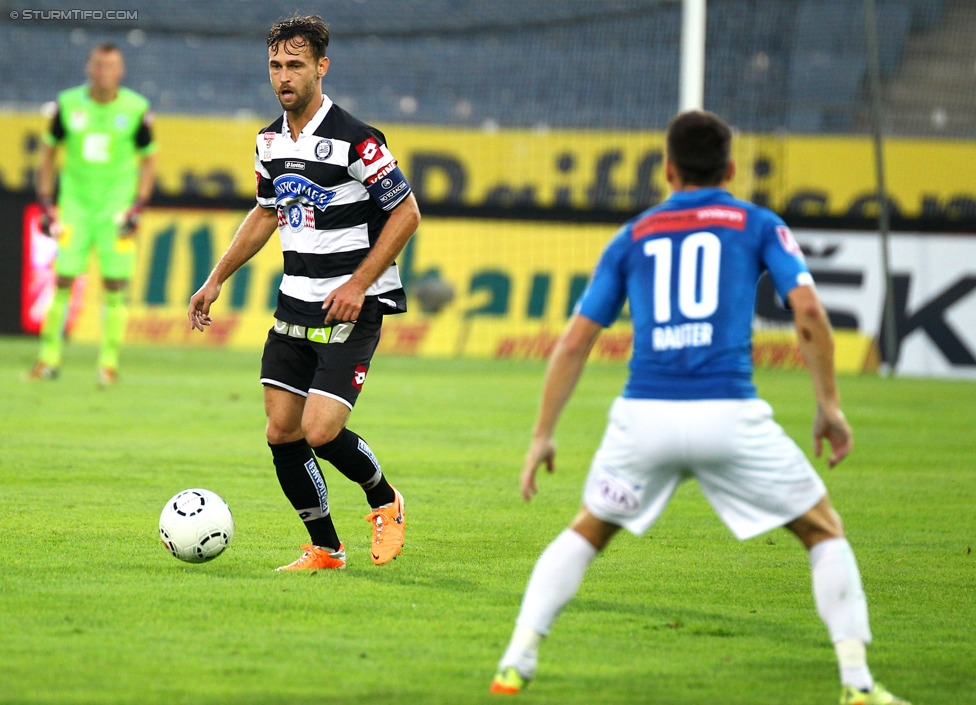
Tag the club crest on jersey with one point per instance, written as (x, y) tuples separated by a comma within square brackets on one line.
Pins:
[(78, 120), (297, 217), (290, 188), (323, 150)]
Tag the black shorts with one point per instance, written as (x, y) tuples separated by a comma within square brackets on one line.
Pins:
[(336, 370)]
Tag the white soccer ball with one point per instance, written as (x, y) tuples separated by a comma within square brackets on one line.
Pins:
[(196, 525)]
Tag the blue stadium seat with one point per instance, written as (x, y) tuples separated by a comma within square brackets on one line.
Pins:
[(610, 65), (926, 14)]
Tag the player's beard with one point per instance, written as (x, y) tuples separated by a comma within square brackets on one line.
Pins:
[(301, 95)]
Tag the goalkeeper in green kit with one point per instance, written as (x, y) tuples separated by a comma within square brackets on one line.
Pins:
[(106, 179)]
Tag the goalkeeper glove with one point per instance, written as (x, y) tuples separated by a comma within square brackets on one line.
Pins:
[(49, 224), (129, 221)]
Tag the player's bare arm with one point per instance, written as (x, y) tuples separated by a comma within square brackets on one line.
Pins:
[(346, 301), (45, 172), (45, 190), (563, 372), (128, 223), (816, 343), (147, 178), (250, 237)]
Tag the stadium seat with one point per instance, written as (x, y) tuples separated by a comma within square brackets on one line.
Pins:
[(612, 65)]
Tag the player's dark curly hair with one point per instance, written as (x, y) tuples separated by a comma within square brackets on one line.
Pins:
[(308, 30), (699, 145)]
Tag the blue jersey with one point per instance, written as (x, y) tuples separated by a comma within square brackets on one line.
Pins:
[(688, 269)]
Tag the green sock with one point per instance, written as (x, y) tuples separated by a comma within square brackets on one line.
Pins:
[(52, 331), (114, 317)]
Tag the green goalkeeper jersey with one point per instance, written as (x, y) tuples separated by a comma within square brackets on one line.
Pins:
[(102, 146)]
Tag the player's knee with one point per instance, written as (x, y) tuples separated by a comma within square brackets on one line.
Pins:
[(819, 524), (320, 434), (277, 433), (596, 531)]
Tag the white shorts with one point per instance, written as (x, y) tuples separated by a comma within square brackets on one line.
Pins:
[(755, 476)]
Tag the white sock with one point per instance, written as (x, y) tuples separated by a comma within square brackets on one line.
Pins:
[(554, 581), (522, 651), (843, 607), (853, 662)]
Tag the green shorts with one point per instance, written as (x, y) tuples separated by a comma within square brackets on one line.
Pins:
[(85, 230)]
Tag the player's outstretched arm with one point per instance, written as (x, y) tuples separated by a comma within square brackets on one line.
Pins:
[(250, 237), (563, 372), (816, 342)]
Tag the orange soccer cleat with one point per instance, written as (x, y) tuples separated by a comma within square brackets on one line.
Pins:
[(388, 523), (43, 371), (318, 558), (508, 681)]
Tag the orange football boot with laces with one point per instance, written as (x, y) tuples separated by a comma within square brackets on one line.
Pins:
[(388, 523), (318, 558)]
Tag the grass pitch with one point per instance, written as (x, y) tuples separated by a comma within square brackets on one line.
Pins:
[(94, 610)]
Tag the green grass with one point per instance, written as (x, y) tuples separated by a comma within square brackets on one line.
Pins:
[(94, 610)]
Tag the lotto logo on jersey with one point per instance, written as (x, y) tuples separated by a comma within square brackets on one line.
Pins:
[(369, 151), (359, 377)]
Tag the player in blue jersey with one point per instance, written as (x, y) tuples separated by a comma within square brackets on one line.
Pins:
[(688, 269)]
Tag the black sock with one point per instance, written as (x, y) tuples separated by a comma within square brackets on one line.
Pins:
[(353, 457), (303, 483)]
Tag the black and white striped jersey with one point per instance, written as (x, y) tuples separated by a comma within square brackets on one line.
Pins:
[(333, 189)]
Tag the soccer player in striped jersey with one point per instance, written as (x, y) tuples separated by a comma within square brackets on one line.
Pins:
[(688, 269), (329, 185)]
